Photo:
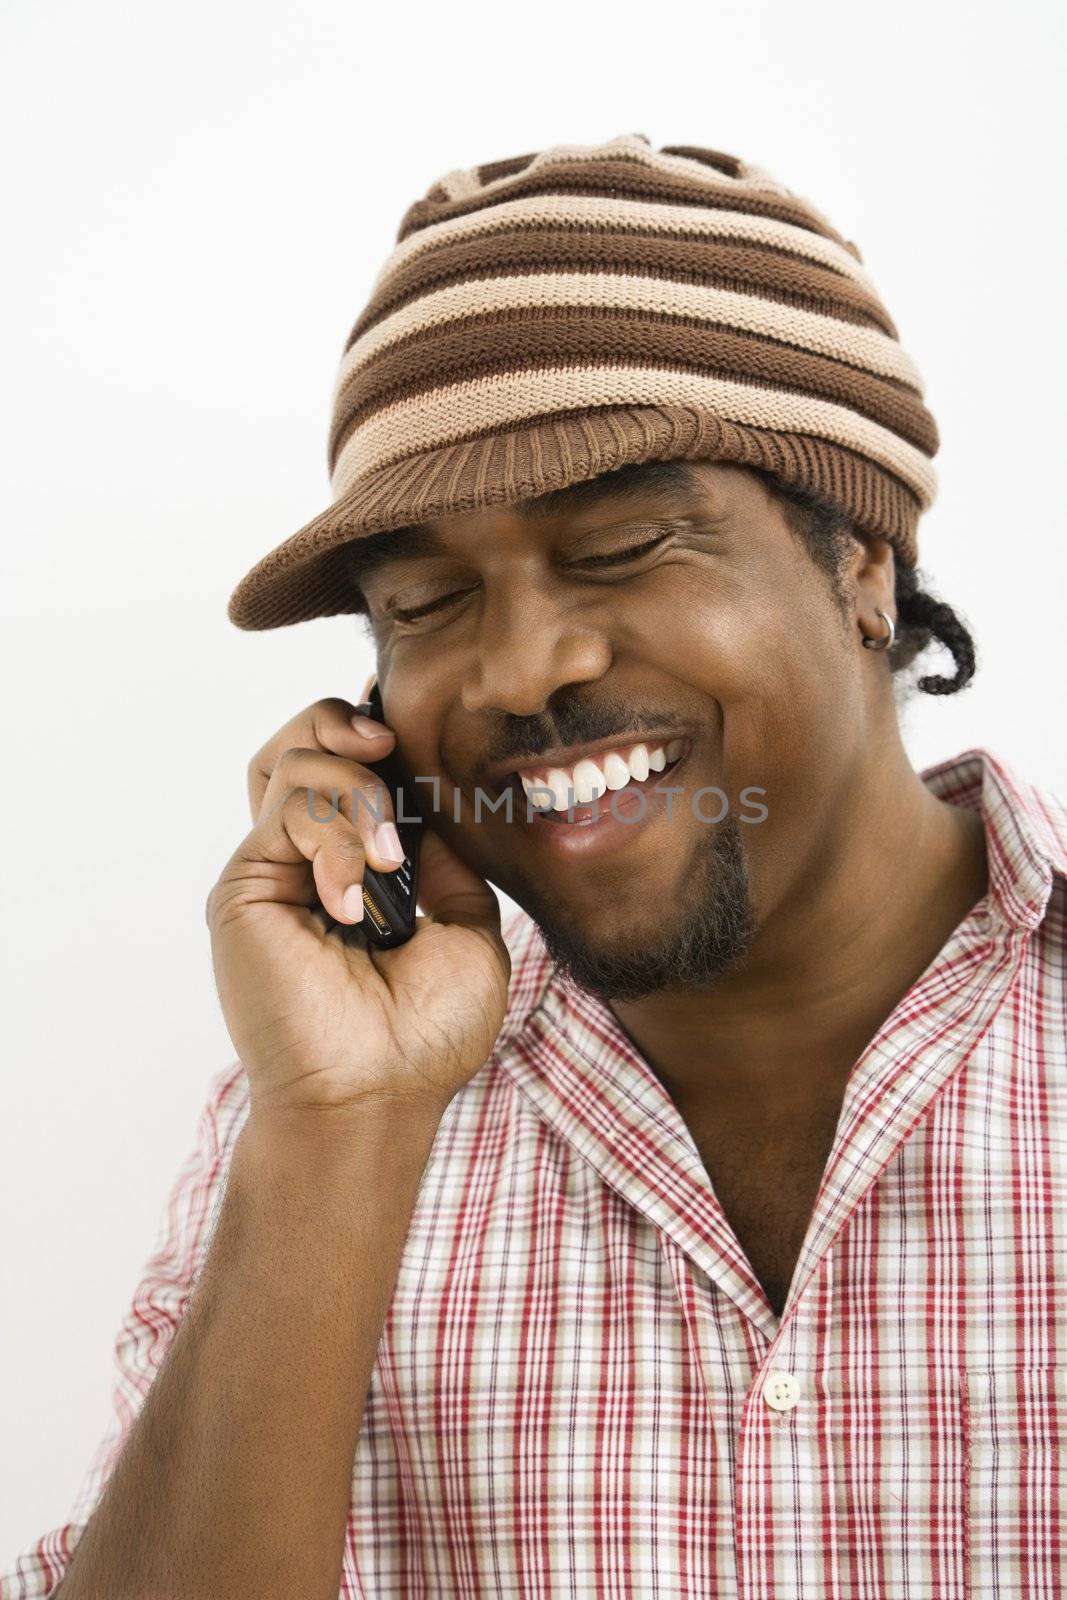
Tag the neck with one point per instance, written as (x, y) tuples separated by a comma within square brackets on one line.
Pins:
[(895, 871)]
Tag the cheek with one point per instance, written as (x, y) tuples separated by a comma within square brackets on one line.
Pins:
[(721, 637), (421, 704), (413, 715), (774, 660), (682, 623)]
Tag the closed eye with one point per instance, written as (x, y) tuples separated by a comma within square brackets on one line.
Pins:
[(617, 557), (416, 612), (612, 558)]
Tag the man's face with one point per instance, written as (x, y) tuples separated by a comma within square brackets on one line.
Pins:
[(689, 619)]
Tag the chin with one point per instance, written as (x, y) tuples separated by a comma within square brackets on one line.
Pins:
[(624, 953)]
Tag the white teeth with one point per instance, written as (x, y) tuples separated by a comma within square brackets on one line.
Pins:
[(616, 771), (561, 787), (537, 792), (638, 762), (588, 779), (589, 782)]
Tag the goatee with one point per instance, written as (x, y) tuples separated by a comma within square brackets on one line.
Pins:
[(706, 937)]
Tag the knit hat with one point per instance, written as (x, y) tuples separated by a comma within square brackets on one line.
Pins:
[(551, 317)]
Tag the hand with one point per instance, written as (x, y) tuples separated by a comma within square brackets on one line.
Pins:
[(325, 1024)]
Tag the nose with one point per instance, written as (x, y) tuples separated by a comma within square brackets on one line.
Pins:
[(527, 648)]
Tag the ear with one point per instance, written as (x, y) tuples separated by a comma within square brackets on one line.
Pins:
[(874, 576)]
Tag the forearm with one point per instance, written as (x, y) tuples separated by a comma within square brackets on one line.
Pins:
[(236, 1477)]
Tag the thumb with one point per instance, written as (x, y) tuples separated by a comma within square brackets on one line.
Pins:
[(449, 891)]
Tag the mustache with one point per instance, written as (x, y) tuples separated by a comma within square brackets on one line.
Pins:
[(568, 720)]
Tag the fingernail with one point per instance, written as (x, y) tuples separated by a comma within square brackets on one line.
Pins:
[(352, 902), (369, 728), (387, 843)]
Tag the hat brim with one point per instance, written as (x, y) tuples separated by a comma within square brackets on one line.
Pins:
[(308, 575)]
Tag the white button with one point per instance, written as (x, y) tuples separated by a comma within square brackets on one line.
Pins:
[(781, 1390)]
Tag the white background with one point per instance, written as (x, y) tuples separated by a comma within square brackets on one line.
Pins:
[(197, 201)]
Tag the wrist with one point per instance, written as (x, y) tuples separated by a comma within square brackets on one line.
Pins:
[(338, 1135)]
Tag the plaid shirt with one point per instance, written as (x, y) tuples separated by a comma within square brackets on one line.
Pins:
[(581, 1389)]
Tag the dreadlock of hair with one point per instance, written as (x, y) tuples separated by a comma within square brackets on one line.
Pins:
[(921, 617)]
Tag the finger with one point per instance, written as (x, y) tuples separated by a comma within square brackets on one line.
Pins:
[(359, 795), (326, 725), (284, 854)]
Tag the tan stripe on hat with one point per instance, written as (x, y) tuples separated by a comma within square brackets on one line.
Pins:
[(620, 216), (469, 410), (864, 348)]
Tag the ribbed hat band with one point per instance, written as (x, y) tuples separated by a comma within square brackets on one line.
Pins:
[(545, 319)]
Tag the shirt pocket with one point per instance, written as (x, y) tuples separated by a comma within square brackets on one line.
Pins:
[(1016, 1491)]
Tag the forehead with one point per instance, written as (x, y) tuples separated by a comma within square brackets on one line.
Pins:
[(662, 486)]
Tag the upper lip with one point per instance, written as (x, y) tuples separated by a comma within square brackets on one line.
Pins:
[(502, 771)]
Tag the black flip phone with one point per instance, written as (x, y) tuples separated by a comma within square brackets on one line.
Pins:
[(389, 898)]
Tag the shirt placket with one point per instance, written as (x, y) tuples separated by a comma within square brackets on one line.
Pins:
[(787, 1503)]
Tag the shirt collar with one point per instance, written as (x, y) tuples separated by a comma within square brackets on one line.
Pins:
[(1026, 843), (568, 1055), (1025, 827)]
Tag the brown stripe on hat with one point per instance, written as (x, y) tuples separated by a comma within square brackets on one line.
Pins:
[(712, 263), (477, 347), (630, 175), (547, 318), (590, 214), (503, 169), (641, 295)]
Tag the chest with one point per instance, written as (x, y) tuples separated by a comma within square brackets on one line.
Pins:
[(766, 1180)]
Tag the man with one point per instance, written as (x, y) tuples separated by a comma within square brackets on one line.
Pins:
[(706, 1235)]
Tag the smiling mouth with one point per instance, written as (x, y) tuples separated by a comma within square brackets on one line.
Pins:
[(594, 785)]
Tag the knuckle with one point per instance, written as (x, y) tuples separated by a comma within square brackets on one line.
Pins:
[(331, 706), (220, 897), (287, 772), (341, 860), (331, 709), (350, 846), (260, 765), (291, 756), (228, 912), (342, 841)]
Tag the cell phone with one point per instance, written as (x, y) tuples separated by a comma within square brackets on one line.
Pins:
[(389, 898)]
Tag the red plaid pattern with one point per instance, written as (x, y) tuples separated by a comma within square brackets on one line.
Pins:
[(581, 1388)]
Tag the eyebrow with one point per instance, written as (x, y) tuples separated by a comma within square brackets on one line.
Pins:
[(395, 544), (672, 479)]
